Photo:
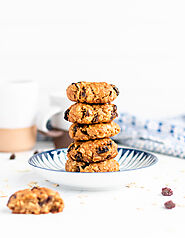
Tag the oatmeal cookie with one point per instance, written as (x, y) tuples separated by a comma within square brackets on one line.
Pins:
[(94, 92), (104, 166), (93, 150), (83, 113), (35, 201), (94, 131)]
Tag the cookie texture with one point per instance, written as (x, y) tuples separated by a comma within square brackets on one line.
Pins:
[(38, 200), (93, 131), (92, 92), (83, 113), (106, 166), (93, 150)]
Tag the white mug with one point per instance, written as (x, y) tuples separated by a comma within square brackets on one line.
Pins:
[(18, 109), (54, 113)]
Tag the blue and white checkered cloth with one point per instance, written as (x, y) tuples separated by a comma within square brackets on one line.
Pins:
[(161, 136)]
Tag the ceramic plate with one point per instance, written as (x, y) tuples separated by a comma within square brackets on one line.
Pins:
[(133, 163)]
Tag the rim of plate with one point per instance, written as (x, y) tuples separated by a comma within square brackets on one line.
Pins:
[(119, 148)]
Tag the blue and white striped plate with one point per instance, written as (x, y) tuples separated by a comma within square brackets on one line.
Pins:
[(51, 165)]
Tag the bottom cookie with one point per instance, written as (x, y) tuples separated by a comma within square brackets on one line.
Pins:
[(36, 201), (104, 166)]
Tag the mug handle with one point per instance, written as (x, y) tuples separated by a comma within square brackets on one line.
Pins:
[(44, 116)]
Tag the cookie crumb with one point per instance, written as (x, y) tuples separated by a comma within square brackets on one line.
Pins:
[(56, 185), (169, 204), (12, 156), (132, 184), (139, 209), (33, 184)]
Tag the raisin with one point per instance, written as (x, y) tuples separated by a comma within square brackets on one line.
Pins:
[(102, 149), (66, 114), (84, 132), (87, 113), (95, 119), (35, 152), (114, 108), (78, 156), (12, 156), (83, 166), (12, 196), (83, 93), (109, 143), (70, 148), (83, 113), (108, 157), (45, 201), (115, 89), (169, 204), (114, 112), (166, 191), (113, 115), (77, 169), (35, 187), (78, 146), (54, 209), (75, 129)]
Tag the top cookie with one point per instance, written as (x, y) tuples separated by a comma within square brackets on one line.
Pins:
[(96, 92)]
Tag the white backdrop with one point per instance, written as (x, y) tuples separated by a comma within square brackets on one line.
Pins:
[(138, 45)]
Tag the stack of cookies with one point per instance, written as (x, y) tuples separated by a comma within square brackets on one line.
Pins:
[(92, 116)]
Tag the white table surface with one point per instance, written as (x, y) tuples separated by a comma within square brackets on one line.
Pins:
[(134, 210)]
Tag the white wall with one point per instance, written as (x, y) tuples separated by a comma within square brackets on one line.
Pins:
[(138, 45)]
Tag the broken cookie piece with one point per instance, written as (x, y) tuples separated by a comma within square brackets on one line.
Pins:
[(38, 200)]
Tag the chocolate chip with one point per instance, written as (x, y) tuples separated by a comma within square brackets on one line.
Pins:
[(110, 93), (12, 156), (35, 152), (66, 114), (95, 119), (78, 156), (102, 149), (70, 148), (115, 89)]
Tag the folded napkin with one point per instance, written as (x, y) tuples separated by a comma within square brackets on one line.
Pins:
[(161, 136)]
